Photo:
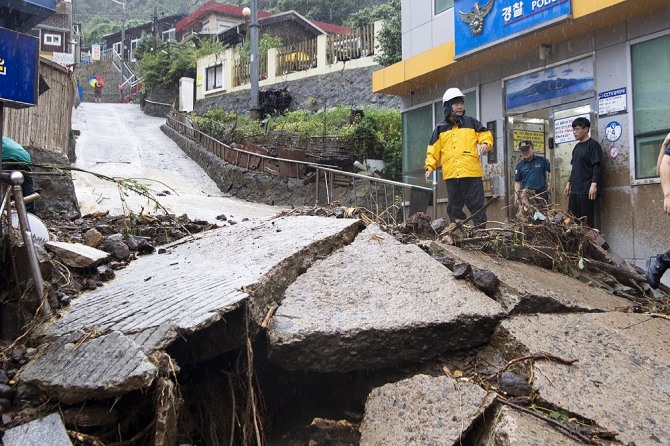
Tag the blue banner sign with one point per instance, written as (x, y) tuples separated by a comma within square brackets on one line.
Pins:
[(482, 23), (19, 76)]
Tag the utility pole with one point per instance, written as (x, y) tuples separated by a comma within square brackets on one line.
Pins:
[(155, 29)]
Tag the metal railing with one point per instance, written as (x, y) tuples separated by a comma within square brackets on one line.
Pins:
[(380, 196), (10, 187)]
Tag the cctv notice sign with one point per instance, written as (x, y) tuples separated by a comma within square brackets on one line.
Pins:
[(19, 76)]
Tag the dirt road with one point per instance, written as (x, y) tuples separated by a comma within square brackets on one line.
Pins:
[(118, 140)]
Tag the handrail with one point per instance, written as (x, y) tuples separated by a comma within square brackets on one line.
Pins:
[(177, 121)]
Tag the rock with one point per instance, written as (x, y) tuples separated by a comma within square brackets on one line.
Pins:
[(439, 224), (93, 238), (106, 273), (48, 430), (447, 261), (485, 280), (115, 245), (462, 270), (140, 244), (17, 354), (3, 377), (221, 217), (5, 405), (514, 385), (422, 410), (7, 391), (76, 255)]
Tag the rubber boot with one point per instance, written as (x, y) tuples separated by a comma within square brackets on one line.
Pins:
[(656, 267)]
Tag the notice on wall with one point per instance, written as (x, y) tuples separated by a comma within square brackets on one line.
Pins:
[(612, 102), (537, 138), (563, 128)]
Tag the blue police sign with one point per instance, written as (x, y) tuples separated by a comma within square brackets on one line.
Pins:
[(482, 23), (19, 77)]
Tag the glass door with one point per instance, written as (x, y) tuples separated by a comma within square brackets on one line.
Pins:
[(563, 143), (532, 126)]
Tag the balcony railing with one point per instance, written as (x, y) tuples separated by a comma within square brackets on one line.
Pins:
[(358, 43)]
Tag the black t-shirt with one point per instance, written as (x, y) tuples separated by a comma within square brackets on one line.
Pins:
[(586, 161)]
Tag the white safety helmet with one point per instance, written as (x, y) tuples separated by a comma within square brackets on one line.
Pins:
[(452, 93)]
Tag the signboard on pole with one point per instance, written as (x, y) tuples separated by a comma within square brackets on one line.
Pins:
[(95, 52), (19, 72)]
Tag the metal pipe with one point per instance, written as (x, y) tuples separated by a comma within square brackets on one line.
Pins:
[(24, 225), (255, 112)]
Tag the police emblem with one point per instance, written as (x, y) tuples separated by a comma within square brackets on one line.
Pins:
[(475, 18)]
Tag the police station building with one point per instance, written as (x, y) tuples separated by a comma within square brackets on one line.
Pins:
[(528, 68)]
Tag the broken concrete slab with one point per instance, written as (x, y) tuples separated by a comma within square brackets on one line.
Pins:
[(47, 430), (621, 380), (526, 288), (188, 289), (422, 410), (76, 255), (374, 304), (510, 427), (76, 369)]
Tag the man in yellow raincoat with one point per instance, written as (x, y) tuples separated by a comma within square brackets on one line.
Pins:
[(457, 144)]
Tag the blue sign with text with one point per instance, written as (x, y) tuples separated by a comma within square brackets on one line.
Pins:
[(19, 76), (482, 23)]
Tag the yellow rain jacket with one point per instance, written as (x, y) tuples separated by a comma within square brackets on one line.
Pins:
[(454, 147)]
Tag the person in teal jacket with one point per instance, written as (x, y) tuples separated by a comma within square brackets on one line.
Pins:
[(457, 144), (15, 157)]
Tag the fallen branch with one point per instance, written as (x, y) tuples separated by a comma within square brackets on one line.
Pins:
[(569, 432), (539, 355)]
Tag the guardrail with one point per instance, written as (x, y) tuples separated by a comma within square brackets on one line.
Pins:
[(383, 198)]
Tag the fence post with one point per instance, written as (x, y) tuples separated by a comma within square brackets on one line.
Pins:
[(272, 65), (321, 52)]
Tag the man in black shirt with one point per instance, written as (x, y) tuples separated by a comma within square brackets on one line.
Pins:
[(582, 187)]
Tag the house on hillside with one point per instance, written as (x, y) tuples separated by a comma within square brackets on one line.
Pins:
[(527, 70), (212, 18), (165, 30), (59, 37)]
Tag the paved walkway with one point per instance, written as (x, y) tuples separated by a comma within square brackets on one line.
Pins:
[(118, 140)]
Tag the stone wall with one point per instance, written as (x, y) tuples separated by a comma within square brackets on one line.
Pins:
[(349, 88)]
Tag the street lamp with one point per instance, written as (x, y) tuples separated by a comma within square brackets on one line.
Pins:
[(254, 111), (123, 44)]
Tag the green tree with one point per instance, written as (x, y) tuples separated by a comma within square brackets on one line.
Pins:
[(97, 27), (326, 10), (390, 38), (369, 15)]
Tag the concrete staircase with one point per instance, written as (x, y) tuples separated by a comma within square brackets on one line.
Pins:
[(106, 69)]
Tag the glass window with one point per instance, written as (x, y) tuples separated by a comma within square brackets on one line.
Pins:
[(443, 5), (417, 127), (52, 39), (214, 77), (651, 101)]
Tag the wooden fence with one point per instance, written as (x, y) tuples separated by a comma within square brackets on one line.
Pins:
[(360, 42), (47, 125), (242, 69), (297, 57)]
